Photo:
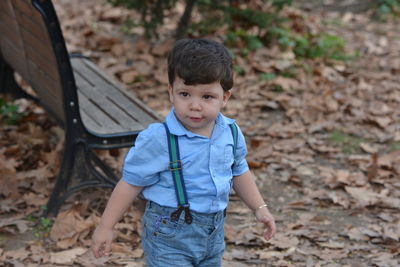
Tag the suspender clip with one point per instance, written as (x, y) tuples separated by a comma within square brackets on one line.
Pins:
[(176, 214), (175, 165), (188, 215)]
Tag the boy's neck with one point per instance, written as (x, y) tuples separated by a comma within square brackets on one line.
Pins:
[(207, 132)]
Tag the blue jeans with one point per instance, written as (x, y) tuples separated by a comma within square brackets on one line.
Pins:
[(168, 243)]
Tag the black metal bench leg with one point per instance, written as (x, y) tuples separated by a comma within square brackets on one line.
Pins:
[(80, 169), (62, 180)]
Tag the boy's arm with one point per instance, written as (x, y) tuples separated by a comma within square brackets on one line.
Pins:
[(246, 188), (119, 202)]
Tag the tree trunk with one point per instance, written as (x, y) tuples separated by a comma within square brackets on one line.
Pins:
[(183, 24)]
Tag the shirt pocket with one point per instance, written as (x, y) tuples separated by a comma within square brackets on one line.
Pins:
[(228, 157)]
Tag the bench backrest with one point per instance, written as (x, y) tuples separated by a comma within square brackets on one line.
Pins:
[(28, 43)]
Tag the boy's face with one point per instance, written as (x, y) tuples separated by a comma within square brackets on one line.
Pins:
[(197, 106)]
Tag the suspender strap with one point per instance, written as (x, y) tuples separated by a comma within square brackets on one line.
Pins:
[(175, 166), (234, 131)]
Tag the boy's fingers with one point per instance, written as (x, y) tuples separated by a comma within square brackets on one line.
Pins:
[(95, 250), (271, 229), (269, 233), (107, 248)]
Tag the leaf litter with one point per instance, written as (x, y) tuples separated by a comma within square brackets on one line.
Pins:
[(325, 150)]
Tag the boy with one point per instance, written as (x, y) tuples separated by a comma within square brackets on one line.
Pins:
[(192, 234)]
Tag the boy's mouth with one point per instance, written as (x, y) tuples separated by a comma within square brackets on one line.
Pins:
[(195, 119)]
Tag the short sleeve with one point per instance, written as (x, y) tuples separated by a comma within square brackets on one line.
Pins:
[(147, 158), (241, 166)]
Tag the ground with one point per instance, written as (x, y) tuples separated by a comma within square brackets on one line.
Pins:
[(324, 145)]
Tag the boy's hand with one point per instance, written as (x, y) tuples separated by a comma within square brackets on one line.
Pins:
[(264, 216), (101, 241)]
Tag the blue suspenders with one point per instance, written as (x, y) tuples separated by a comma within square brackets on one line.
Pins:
[(175, 166)]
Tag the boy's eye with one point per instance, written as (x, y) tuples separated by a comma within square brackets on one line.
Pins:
[(185, 94), (207, 96)]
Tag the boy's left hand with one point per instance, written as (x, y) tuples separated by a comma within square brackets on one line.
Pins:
[(264, 216)]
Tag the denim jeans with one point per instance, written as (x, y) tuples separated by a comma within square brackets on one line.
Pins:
[(168, 243)]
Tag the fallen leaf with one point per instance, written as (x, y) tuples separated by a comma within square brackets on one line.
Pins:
[(282, 241), (332, 244), (66, 256), (68, 226), (363, 196), (19, 254)]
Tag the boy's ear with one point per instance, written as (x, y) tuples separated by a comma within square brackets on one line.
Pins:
[(170, 92), (227, 95)]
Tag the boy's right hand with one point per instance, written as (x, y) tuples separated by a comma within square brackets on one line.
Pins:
[(101, 241)]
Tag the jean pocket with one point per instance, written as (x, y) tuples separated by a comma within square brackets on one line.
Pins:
[(162, 226)]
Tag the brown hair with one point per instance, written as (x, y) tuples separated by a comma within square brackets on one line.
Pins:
[(200, 61)]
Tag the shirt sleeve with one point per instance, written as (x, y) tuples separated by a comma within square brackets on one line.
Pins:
[(147, 158), (241, 166)]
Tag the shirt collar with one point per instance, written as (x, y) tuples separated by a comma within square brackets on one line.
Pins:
[(176, 127)]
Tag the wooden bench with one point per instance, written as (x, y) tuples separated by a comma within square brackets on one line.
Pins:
[(94, 111)]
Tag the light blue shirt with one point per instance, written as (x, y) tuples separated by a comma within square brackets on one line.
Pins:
[(207, 164)]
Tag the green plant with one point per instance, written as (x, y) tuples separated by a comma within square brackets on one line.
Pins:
[(310, 46), (250, 41), (394, 146), (239, 70), (387, 7), (128, 25), (329, 46), (250, 26), (214, 13), (268, 76), (9, 113), (43, 226), (151, 12), (277, 88), (349, 143), (281, 3)]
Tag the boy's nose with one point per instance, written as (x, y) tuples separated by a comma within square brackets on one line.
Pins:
[(195, 105)]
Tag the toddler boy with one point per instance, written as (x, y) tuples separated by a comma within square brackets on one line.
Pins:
[(186, 167)]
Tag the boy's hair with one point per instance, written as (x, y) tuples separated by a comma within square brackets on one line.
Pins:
[(200, 61)]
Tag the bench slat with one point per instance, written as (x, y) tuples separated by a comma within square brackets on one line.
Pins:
[(9, 29), (48, 65), (14, 56), (41, 52), (22, 6), (114, 104), (42, 47), (6, 8), (90, 122), (107, 107), (47, 89), (95, 119), (39, 49), (109, 87), (30, 18)]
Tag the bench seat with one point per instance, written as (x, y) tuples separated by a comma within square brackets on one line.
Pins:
[(105, 107)]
